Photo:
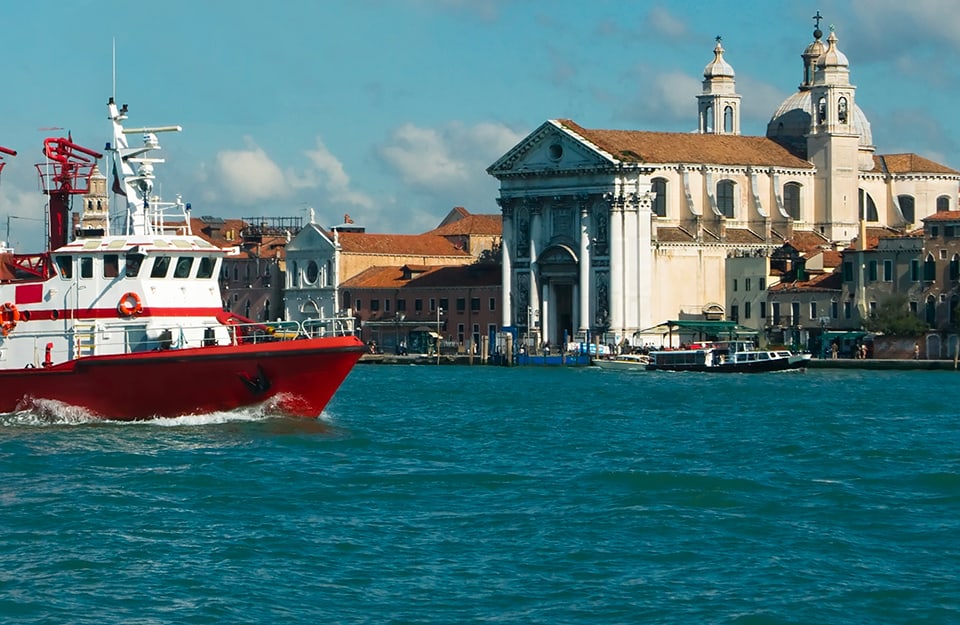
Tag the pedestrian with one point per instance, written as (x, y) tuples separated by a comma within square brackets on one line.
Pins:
[(916, 351)]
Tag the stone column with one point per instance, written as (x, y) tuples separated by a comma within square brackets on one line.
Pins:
[(507, 247), (536, 232), (583, 311), (616, 265), (630, 235)]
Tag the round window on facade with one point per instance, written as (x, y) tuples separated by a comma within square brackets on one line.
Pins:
[(313, 272), (556, 151)]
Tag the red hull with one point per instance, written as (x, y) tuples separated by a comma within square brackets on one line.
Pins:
[(303, 374)]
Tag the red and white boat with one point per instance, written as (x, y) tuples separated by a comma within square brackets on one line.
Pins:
[(124, 318)]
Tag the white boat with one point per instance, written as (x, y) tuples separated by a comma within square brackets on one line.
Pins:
[(624, 362), (727, 357)]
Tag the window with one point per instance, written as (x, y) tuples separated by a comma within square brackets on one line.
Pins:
[(915, 270), (357, 305), (888, 270), (943, 254), (813, 311), (763, 283), (848, 271), (433, 304), (461, 304), (162, 263), (207, 265), (791, 199), (725, 198), (401, 305), (86, 267), (775, 312), (834, 309), (312, 273), (842, 110), (460, 333), (907, 207), (868, 209), (475, 304), (821, 110), (386, 305), (184, 264), (943, 203), (493, 304), (955, 267), (934, 232), (746, 310), (132, 264), (64, 266), (930, 311), (707, 122), (847, 310), (872, 271), (111, 265), (734, 313), (763, 310), (444, 303), (746, 284), (929, 269), (873, 309), (795, 313), (418, 305), (374, 305), (949, 232), (914, 307), (734, 284), (659, 189), (728, 119)]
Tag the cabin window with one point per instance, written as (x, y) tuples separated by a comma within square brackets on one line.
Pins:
[(207, 267), (111, 265), (184, 264), (160, 266), (64, 266), (86, 267), (132, 263)]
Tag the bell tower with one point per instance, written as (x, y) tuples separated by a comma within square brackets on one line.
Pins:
[(95, 215), (719, 103)]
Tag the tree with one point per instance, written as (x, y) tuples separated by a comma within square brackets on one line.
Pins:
[(893, 318)]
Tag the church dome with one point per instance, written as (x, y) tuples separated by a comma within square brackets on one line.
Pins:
[(791, 123), (718, 67)]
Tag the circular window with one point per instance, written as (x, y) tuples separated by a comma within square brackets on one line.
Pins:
[(556, 151), (313, 272)]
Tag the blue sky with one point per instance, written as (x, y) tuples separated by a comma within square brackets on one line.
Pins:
[(391, 110)]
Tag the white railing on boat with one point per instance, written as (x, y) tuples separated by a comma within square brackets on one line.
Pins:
[(90, 338)]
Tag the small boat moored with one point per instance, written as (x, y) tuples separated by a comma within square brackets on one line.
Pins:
[(624, 362), (726, 357)]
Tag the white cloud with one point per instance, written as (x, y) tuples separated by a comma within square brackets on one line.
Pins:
[(250, 175), (664, 23)]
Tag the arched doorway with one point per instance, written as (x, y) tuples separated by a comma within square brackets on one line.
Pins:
[(559, 271)]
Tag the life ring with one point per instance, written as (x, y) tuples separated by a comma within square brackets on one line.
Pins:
[(129, 304), (10, 316)]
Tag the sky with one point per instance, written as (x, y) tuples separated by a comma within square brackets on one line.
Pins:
[(392, 110)]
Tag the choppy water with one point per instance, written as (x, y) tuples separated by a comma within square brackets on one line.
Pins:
[(487, 495)]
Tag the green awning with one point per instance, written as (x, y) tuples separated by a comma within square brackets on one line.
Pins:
[(715, 328)]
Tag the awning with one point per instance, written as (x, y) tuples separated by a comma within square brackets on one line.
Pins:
[(715, 328)]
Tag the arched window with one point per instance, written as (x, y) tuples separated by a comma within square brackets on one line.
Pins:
[(821, 110), (725, 189), (907, 207), (330, 281), (842, 110), (929, 269), (955, 267), (728, 119), (791, 199), (868, 209), (930, 311), (294, 278), (659, 188), (943, 203), (707, 123)]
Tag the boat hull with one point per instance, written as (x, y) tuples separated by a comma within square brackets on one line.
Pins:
[(302, 375), (760, 366)]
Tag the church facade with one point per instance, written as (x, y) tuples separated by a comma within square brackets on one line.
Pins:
[(615, 231)]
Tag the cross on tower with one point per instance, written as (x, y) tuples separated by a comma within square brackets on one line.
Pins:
[(817, 18)]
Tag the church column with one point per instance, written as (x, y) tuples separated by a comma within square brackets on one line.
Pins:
[(506, 270), (536, 227), (545, 321), (644, 278), (584, 290), (616, 265), (630, 236)]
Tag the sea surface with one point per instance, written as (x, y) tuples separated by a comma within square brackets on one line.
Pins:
[(459, 494)]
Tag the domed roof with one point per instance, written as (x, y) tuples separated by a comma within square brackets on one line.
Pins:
[(718, 67), (791, 122), (832, 57)]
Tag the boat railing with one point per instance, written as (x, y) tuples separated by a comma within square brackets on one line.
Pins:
[(90, 338)]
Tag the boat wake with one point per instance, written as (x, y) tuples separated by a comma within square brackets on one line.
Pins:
[(45, 412)]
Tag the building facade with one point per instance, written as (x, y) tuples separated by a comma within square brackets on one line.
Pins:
[(615, 231)]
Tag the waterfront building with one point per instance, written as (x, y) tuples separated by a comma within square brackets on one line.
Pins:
[(615, 231)]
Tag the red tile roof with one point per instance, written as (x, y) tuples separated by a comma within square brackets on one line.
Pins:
[(832, 281), (475, 275), (472, 224), (944, 216), (636, 146), (808, 242), (909, 163), (398, 244)]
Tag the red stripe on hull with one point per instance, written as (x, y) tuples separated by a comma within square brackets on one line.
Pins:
[(305, 373), (48, 314)]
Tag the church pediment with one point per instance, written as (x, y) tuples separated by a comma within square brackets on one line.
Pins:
[(550, 148), (310, 238)]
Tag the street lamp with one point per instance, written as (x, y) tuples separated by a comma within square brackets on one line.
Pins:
[(439, 312)]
